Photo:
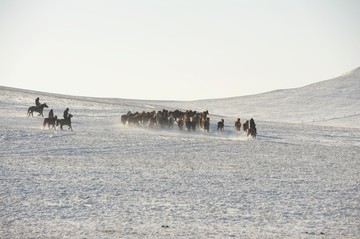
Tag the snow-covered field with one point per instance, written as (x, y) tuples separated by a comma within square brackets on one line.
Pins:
[(298, 179)]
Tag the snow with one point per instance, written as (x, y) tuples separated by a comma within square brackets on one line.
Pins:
[(298, 179), (334, 102)]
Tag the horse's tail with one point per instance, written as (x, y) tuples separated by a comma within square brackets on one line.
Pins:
[(47, 121), (29, 111)]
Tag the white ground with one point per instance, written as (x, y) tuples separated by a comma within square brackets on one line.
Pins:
[(106, 180)]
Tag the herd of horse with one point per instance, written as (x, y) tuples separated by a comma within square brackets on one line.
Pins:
[(185, 120), (50, 121)]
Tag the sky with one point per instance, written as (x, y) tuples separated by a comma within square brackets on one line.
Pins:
[(175, 50)]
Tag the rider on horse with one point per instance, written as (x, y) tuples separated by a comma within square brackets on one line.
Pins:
[(66, 113), (37, 102), (252, 124), (51, 114)]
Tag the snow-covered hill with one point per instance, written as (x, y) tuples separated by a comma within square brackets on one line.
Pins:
[(298, 179), (332, 102)]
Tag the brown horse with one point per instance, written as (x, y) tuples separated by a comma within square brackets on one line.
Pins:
[(246, 126), (180, 123), (207, 124), (50, 122), (152, 122), (202, 117), (187, 121), (124, 118)]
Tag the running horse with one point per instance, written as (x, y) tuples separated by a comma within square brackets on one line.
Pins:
[(252, 129), (63, 122), (246, 126), (220, 125), (251, 132), (238, 125), (50, 122), (38, 109)]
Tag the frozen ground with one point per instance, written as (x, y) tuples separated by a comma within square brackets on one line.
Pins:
[(106, 180)]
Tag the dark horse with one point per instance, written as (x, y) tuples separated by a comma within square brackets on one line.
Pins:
[(67, 122), (252, 129), (220, 125), (238, 124), (38, 109), (251, 132), (246, 126), (207, 124), (50, 122)]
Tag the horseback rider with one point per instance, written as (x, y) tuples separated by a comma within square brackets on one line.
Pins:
[(252, 124), (66, 114), (238, 124), (51, 114), (37, 101)]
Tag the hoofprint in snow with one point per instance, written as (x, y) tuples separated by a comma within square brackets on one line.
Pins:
[(106, 180)]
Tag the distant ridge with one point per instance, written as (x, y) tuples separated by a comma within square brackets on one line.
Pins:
[(329, 102), (333, 102)]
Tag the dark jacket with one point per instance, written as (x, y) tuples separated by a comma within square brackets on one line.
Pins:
[(66, 113)]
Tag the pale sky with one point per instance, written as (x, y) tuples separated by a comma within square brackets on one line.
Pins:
[(175, 50)]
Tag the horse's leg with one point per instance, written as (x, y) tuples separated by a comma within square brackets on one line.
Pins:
[(30, 111)]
